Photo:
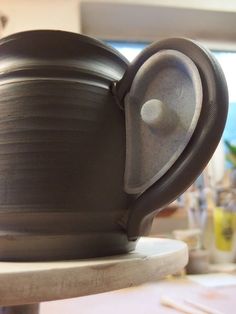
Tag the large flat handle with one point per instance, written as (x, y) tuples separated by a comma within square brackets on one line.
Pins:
[(204, 139)]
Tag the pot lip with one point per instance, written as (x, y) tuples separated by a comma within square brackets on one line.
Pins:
[(63, 36), (56, 50)]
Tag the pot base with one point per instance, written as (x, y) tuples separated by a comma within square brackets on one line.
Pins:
[(22, 246)]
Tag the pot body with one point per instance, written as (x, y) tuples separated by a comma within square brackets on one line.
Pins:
[(62, 148)]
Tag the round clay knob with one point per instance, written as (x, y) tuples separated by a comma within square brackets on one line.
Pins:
[(157, 115)]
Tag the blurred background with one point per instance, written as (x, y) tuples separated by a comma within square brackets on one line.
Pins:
[(206, 211)]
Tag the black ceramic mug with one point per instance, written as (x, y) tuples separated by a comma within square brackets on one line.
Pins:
[(81, 172)]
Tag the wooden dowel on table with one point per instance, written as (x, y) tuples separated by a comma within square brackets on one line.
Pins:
[(202, 307), (166, 301)]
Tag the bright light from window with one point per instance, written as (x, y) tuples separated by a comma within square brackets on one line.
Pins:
[(227, 61), (130, 53), (129, 50)]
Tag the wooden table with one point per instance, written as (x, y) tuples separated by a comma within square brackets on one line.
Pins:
[(24, 285)]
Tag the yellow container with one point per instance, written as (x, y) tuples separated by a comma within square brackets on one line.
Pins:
[(224, 228)]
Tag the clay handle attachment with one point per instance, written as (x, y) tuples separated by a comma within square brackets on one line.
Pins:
[(205, 137)]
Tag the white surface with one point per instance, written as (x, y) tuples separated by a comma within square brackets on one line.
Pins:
[(214, 280)]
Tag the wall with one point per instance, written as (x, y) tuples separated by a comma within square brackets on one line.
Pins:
[(44, 14), (212, 22)]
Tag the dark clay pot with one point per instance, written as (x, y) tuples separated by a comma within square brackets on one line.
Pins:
[(63, 146)]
